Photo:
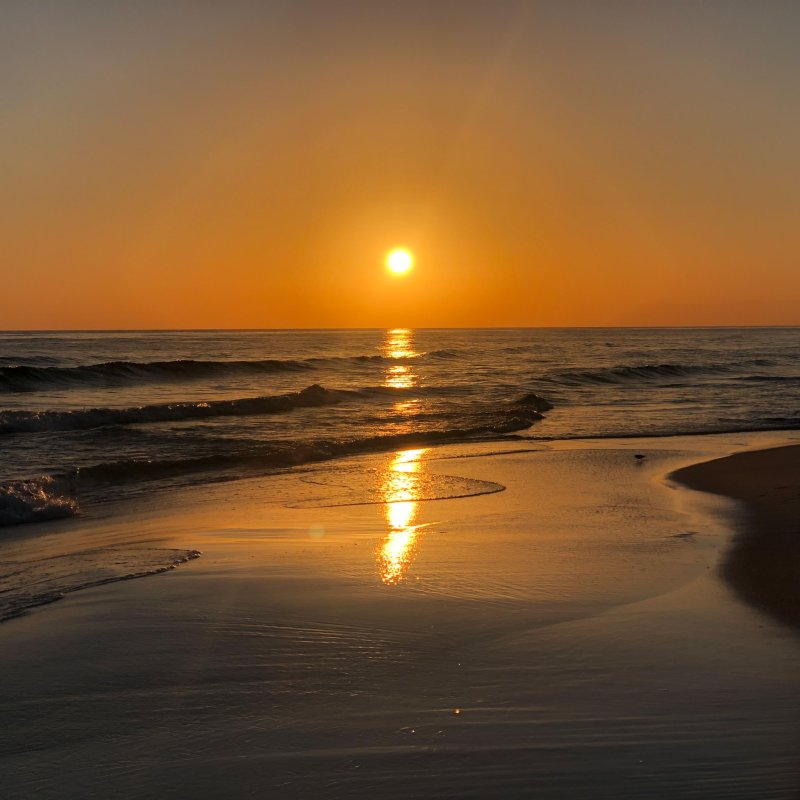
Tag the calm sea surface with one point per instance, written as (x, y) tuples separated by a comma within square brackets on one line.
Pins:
[(86, 418)]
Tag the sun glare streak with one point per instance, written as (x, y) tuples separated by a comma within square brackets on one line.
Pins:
[(400, 491)]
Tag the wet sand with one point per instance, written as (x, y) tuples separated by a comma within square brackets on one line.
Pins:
[(763, 563), (566, 636)]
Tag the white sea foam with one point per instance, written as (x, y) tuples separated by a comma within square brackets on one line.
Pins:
[(36, 582), (35, 500)]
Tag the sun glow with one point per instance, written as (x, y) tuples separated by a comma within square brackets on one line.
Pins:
[(399, 261)]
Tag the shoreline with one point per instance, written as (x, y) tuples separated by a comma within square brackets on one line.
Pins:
[(762, 562), (176, 502)]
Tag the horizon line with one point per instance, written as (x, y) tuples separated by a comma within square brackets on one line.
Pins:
[(395, 327)]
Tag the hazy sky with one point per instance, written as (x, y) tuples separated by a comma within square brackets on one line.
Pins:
[(248, 164)]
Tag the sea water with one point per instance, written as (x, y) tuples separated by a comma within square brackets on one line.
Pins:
[(91, 417)]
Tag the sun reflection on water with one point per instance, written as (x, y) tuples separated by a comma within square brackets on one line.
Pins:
[(399, 344), (400, 490), (400, 485)]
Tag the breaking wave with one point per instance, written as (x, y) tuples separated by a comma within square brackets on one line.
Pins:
[(516, 416), (84, 419), (24, 421), (276, 455), (35, 500)]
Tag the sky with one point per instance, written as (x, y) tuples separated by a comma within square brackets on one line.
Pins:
[(248, 164)]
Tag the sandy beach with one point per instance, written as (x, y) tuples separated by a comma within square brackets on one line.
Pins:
[(555, 625), (764, 562)]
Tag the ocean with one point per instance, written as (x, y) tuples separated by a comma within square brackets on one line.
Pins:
[(90, 418)]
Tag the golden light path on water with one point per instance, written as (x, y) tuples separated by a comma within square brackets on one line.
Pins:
[(400, 491), (400, 483), (399, 344)]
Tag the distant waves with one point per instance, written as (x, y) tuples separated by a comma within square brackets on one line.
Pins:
[(31, 377), (637, 373)]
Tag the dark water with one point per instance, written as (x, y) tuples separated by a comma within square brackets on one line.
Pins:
[(89, 417)]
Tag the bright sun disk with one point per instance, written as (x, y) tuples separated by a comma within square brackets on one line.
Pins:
[(399, 261)]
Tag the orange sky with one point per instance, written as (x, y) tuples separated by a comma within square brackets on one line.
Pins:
[(248, 164)]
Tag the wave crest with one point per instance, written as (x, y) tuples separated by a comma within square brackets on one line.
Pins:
[(50, 497), (39, 373), (22, 378), (84, 419), (624, 373), (35, 500), (513, 417)]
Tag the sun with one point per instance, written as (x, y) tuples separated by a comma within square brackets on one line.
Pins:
[(399, 261)]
